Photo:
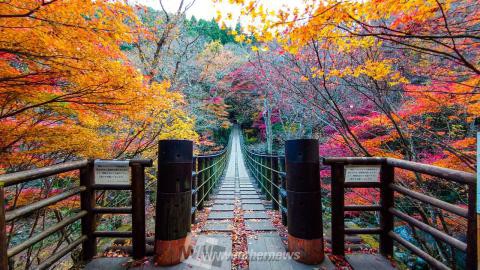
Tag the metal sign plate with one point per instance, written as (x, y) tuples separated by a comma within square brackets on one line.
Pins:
[(112, 172), (362, 173)]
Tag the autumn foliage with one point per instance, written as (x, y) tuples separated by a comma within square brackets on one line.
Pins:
[(67, 90), (370, 78)]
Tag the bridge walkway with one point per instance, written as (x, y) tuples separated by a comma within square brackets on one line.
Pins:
[(238, 215)]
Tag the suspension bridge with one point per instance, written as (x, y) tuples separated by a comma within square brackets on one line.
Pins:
[(270, 203)]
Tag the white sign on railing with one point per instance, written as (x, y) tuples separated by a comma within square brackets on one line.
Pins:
[(362, 173), (112, 172)]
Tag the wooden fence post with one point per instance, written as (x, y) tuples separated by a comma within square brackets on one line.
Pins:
[(3, 231), (386, 202), (338, 204), (174, 202), (138, 211), (305, 234), (472, 236), (87, 203)]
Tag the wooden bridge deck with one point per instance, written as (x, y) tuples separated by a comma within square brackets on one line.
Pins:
[(238, 203)]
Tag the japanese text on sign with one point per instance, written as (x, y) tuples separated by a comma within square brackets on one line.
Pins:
[(112, 172), (361, 173)]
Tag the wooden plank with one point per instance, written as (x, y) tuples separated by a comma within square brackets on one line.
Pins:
[(369, 261), (251, 201), (218, 226), (253, 207), (256, 246), (212, 246), (249, 193), (242, 196), (228, 197), (221, 201), (263, 225), (222, 242), (272, 243), (223, 207), (255, 215), (220, 215)]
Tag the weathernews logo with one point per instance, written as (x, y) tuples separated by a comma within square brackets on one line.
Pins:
[(211, 254)]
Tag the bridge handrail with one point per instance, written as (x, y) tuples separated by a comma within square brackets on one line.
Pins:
[(207, 171), (444, 173), (10, 179), (86, 212), (267, 174)]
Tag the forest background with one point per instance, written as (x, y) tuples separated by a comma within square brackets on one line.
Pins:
[(104, 79)]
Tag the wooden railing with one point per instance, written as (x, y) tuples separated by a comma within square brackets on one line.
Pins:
[(270, 173), (388, 188), (86, 214), (207, 170)]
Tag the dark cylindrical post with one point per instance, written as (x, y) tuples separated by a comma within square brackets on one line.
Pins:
[(138, 211), (283, 199), (87, 203), (472, 253), (200, 181), (275, 181), (386, 202), (194, 188), (338, 205), (305, 235), (174, 200), (3, 231)]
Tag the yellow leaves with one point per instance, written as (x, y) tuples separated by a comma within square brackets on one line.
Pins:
[(337, 73), (218, 18), (376, 70), (240, 38), (396, 78), (348, 44), (263, 49), (78, 96)]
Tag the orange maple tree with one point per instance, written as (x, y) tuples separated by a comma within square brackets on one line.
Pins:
[(68, 91)]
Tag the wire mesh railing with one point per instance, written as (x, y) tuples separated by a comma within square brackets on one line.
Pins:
[(269, 174), (207, 171)]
